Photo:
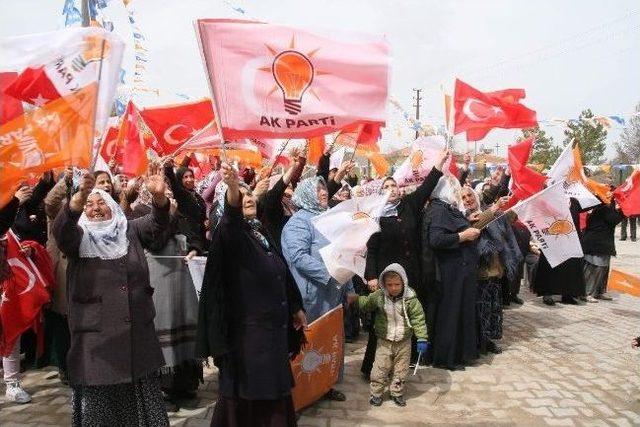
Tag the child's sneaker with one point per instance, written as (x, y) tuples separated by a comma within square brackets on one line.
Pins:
[(399, 400), (15, 393), (375, 400)]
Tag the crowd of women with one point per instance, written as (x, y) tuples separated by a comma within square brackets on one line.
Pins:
[(130, 334)]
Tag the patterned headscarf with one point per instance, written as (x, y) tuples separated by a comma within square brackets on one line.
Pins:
[(104, 239), (305, 195)]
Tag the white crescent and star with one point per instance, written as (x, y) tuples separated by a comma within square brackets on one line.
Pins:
[(170, 130), (466, 109), (15, 262)]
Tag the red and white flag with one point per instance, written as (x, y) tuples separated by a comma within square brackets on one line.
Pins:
[(272, 81), (547, 216), (10, 107), (478, 112), (627, 195), (173, 125), (525, 182), (24, 292), (109, 148), (134, 138), (57, 64)]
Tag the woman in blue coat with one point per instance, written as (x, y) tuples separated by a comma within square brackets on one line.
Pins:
[(301, 244)]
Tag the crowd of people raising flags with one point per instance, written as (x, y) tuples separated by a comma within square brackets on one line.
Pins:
[(130, 335)]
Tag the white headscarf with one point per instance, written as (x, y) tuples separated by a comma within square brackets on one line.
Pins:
[(104, 239), (448, 190)]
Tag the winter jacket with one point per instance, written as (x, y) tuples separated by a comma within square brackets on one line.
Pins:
[(396, 318), (598, 237), (301, 244)]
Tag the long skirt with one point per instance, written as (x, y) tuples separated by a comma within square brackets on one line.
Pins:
[(489, 311), (238, 412), (128, 405), (596, 276)]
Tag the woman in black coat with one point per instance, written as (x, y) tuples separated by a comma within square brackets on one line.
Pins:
[(598, 245), (398, 241), (453, 310), (250, 317), (192, 209)]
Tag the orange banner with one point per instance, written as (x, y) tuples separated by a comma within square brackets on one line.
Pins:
[(316, 368), (623, 282), (58, 134)]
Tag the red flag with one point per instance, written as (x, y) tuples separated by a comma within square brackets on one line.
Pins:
[(24, 292), (173, 125), (109, 148), (478, 112), (34, 86), (10, 107), (131, 137), (525, 182), (364, 135), (627, 195)]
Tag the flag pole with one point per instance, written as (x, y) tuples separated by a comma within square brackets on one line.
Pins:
[(96, 150)]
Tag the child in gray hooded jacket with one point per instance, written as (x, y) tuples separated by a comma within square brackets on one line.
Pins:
[(398, 316)]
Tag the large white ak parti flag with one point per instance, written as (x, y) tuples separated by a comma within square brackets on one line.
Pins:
[(547, 216), (565, 171), (348, 227)]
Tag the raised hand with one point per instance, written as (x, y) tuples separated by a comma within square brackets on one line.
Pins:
[(442, 158), (23, 194)]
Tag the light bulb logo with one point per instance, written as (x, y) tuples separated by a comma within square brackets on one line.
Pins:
[(559, 227), (293, 73)]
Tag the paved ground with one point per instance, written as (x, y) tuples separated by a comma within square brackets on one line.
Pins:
[(563, 365)]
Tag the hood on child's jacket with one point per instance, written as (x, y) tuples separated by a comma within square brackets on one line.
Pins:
[(407, 292)]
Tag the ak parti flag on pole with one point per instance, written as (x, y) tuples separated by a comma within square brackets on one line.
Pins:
[(624, 282), (54, 136), (317, 368), (568, 170), (173, 125), (478, 112), (57, 64), (525, 182), (547, 216), (627, 195), (423, 156), (272, 81), (24, 292)]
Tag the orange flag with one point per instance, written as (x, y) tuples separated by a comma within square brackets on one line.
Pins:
[(378, 162), (623, 282), (316, 149), (316, 368), (56, 135), (602, 191)]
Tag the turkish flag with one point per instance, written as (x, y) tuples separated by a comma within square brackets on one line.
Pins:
[(525, 182), (173, 125), (10, 107), (34, 86), (131, 136), (627, 195), (109, 148), (25, 291), (478, 112)]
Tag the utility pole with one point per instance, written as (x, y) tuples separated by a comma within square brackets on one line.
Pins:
[(497, 147), (417, 105)]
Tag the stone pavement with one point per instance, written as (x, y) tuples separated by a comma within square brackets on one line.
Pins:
[(562, 365)]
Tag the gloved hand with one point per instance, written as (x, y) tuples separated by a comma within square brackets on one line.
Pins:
[(423, 346)]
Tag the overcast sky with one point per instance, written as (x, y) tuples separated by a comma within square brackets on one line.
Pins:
[(568, 55)]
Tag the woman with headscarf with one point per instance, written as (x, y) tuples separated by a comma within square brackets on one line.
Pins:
[(176, 303), (192, 209), (499, 259), (453, 302), (115, 354), (301, 244), (399, 241), (251, 317)]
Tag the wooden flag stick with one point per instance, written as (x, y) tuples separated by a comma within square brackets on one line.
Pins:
[(96, 149)]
